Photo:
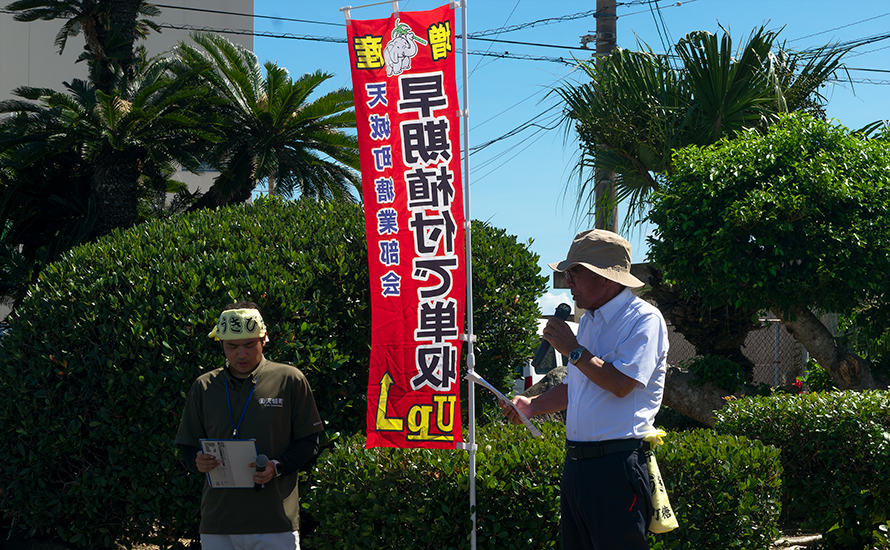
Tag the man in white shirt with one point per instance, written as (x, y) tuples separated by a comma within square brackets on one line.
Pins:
[(612, 390)]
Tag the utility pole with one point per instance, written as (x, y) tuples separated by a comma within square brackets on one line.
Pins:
[(606, 206)]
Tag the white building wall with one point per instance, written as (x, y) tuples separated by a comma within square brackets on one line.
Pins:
[(29, 56)]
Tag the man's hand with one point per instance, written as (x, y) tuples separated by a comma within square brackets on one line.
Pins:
[(523, 403), (205, 463), (261, 478), (553, 400), (560, 335)]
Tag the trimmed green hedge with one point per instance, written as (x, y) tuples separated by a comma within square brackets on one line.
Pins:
[(100, 355), (836, 458), (94, 370), (725, 490), (419, 499)]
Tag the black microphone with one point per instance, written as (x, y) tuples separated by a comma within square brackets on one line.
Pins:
[(562, 311), (261, 462)]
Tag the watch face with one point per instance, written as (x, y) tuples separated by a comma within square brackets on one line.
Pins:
[(576, 355)]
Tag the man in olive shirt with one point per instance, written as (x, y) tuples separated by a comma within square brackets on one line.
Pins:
[(250, 398)]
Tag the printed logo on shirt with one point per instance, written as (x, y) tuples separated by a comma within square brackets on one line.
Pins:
[(271, 401)]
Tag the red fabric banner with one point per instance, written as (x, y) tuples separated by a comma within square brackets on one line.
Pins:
[(409, 137)]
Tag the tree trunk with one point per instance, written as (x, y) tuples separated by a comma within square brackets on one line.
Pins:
[(847, 370), (112, 45), (122, 14), (115, 191), (717, 331), (214, 198), (695, 400)]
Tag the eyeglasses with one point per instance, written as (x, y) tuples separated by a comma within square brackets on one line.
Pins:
[(570, 277)]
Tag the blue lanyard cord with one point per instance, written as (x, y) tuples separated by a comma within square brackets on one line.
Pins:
[(229, 405)]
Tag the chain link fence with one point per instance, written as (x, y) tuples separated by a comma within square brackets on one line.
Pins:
[(778, 358)]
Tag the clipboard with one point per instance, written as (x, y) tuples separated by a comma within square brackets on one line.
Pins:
[(234, 455), (473, 377)]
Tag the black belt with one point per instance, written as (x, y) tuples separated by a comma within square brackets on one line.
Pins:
[(579, 450)]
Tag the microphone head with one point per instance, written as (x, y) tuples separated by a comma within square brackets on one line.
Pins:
[(563, 311), (261, 462)]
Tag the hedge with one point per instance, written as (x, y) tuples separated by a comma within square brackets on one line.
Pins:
[(725, 491), (99, 357), (836, 458)]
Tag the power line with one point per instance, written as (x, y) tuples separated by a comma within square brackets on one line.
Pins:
[(841, 27), (502, 55), (870, 70), (251, 15), (501, 30), (335, 40), (246, 32)]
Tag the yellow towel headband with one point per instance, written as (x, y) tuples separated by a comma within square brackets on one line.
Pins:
[(237, 324)]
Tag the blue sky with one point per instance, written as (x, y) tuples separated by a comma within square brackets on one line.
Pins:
[(519, 183)]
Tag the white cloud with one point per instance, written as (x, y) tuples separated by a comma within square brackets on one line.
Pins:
[(553, 298)]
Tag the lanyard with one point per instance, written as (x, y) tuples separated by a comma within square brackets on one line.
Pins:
[(229, 405)]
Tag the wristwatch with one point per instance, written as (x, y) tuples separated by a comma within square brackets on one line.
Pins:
[(277, 466), (576, 354)]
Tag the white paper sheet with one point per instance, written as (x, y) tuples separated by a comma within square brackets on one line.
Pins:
[(472, 376), (236, 455)]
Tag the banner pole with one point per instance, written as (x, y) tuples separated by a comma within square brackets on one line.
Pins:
[(471, 337)]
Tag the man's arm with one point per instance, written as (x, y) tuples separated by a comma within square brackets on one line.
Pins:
[(553, 400), (298, 454), (603, 374)]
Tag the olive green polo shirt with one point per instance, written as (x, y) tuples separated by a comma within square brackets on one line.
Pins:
[(279, 411)]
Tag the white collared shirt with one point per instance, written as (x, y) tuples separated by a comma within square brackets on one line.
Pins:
[(631, 334)]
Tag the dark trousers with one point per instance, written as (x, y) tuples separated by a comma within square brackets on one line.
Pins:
[(605, 502)]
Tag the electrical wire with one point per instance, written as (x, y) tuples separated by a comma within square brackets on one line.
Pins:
[(250, 15), (841, 27)]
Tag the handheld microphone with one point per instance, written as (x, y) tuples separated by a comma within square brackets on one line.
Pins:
[(562, 311), (261, 462)]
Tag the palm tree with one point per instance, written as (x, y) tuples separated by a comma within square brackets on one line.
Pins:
[(110, 28), (44, 211), (640, 106), (273, 130), (130, 137)]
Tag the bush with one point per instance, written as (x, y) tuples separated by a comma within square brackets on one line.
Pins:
[(835, 454), (415, 499), (817, 378), (725, 490), (100, 355), (866, 331), (721, 371), (670, 420)]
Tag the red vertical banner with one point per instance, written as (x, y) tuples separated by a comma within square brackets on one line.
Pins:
[(403, 76)]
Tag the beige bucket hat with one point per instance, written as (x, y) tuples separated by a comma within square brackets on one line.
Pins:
[(603, 252)]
